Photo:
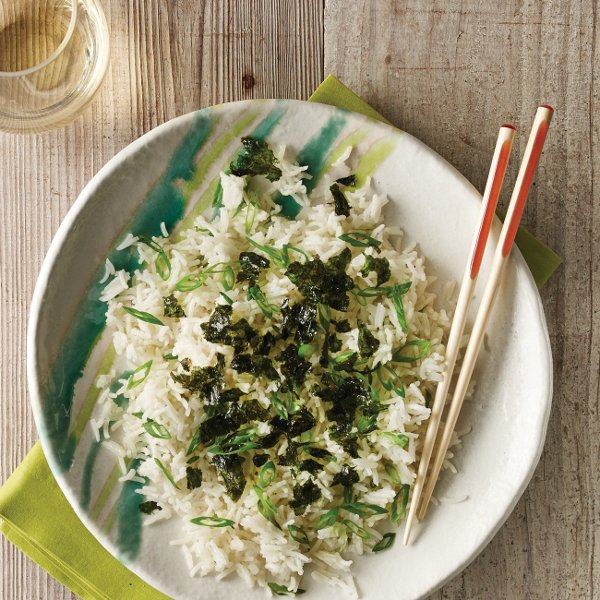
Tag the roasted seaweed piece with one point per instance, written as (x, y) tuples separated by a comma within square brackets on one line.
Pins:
[(206, 381), (300, 318), (304, 495), (322, 282), (346, 477), (381, 266), (342, 434), (310, 465), (255, 158), (149, 507), (266, 343), (346, 398), (255, 365), (230, 468), (216, 329), (367, 342), (293, 367), (193, 477), (260, 459), (172, 308), (251, 264), (340, 203)]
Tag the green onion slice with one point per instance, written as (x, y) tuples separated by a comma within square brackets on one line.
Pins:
[(279, 406), (256, 294), (228, 278), (139, 375), (191, 282), (364, 510), (307, 350), (157, 430), (286, 251), (398, 513), (298, 534), (213, 522), (360, 239), (281, 590), (397, 438), (194, 443), (163, 264), (142, 316), (387, 541), (357, 529), (226, 297), (328, 519), (393, 473), (276, 256), (229, 450), (267, 474), (166, 472), (423, 346), (398, 290), (372, 292)]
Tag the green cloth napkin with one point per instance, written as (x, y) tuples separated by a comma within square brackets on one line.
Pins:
[(37, 518)]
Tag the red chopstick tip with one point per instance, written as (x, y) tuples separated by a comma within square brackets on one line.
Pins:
[(509, 126), (546, 106)]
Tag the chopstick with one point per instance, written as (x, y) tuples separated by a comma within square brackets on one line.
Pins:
[(488, 208), (531, 158)]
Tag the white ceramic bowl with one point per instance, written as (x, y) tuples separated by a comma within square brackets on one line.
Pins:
[(169, 172)]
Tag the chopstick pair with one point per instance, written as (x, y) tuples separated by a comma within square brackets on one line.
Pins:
[(424, 484)]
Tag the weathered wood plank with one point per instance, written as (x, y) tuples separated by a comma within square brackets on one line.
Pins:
[(450, 72), (168, 58)]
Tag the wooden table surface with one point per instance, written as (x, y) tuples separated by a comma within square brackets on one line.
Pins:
[(447, 71)]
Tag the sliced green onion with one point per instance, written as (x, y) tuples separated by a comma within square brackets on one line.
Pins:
[(357, 529), (398, 513), (348, 181), (387, 541), (157, 430), (298, 534), (393, 473), (213, 522), (324, 316), (163, 264), (276, 255), (393, 383), (170, 356), (139, 415), (359, 239), (306, 350), (191, 282), (281, 590), (348, 494), (328, 519), (360, 299), (256, 294), (191, 460), (343, 357), (228, 278), (266, 507), (396, 294), (288, 247), (367, 423), (142, 316), (194, 443), (251, 210), (364, 510), (424, 346), (397, 438), (139, 375), (166, 473), (240, 436), (279, 406), (267, 474), (227, 298), (372, 292)]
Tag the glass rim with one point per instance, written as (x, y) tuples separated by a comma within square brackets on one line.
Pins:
[(54, 55)]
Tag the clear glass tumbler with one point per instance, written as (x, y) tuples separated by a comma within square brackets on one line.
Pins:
[(53, 57)]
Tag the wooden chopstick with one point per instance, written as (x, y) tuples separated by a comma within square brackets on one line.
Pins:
[(531, 158), (488, 208)]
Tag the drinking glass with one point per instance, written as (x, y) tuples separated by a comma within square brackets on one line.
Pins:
[(53, 57)]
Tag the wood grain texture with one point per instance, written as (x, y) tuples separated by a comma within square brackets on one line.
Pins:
[(450, 72), (168, 58)]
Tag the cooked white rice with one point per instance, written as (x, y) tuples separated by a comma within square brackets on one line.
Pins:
[(253, 548)]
